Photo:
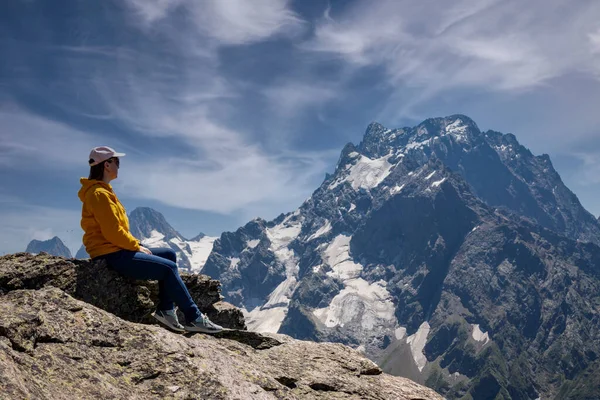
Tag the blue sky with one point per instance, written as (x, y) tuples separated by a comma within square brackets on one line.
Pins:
[(233, 109)]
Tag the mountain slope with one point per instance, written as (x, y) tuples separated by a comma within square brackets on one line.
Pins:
[(451, 256)]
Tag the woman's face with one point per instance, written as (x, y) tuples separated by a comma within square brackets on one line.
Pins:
[(111, 168)]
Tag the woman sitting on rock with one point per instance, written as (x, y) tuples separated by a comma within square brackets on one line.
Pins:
[(106, 236)]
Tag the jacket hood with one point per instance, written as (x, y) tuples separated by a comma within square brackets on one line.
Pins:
[(87, 184)]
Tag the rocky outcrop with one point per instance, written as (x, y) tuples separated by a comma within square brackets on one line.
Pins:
[(54, 346), (102, 287)]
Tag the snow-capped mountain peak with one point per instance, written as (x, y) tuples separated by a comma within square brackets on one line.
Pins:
[(153, 230), (389, 253)]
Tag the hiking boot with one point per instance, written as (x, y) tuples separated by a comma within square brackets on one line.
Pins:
[(169, 319), (202, 324)]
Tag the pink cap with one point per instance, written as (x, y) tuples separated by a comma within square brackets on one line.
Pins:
[(102, 153)]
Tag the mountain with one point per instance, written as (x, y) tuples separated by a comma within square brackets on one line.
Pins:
[(500, 171), (144, 222), (53, 246), (449, 255), (151, 227), (81, 253)]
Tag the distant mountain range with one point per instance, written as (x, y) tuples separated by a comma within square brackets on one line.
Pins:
[(153, 230), (53, 246), (151, 226), (449, 255)]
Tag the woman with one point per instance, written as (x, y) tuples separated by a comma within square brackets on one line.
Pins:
[(106, 236)]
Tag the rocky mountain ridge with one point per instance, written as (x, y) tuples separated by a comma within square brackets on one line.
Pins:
[(442, 252)]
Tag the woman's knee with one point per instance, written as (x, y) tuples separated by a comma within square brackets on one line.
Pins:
[(171, 255), (166, 253), (172, 267), (168, 268)]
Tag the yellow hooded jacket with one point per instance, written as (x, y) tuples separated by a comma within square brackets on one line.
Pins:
[(104, 220)]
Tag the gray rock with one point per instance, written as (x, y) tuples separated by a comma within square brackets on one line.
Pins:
[(102, 287), (54, 346)]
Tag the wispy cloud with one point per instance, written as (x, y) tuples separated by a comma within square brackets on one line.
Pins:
[(28, 141), (224, 169), (291, 98), (595, 41), (151, 11), (183, 101), (589, 170), (229, 22), (247, 181), (496, 45)]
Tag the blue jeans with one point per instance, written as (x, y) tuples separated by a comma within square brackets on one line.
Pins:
[(160, 266)]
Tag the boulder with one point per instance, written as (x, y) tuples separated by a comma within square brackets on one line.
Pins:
[(98, 285)]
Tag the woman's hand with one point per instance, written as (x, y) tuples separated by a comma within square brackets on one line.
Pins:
[(145, 250)]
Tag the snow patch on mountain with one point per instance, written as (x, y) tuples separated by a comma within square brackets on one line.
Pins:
[(438, 183), (283, 234), (478, 335), (264, 321), (416, 145), (400, 333), (366, 173), (280, 237), (458, 129), (396, 189), (269, 316), (281, 295), (337, 255), (200, 250), (369, 303), (322, 230), (417, 343), (252, 243), (156, 239), (502, 148)]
